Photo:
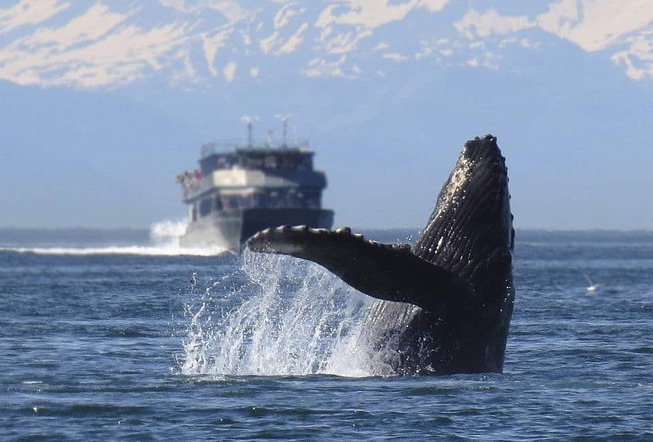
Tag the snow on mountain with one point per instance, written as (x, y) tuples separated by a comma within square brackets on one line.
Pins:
[(189, 43)]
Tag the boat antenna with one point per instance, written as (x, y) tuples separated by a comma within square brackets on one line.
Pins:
[(268, 142), (248, 121), (284, 118)]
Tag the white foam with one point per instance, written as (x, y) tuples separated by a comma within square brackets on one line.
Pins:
[(164, 241), (277, 316), (126, 250), (167, 233)]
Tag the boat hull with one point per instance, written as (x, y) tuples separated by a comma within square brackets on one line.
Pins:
[(229, 229)]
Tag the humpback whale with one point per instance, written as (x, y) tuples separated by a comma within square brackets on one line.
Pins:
[(447, 301)]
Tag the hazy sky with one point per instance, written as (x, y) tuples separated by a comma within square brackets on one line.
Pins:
[(103, 103)]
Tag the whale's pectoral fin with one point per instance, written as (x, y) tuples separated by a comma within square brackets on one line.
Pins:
[(385, 271)]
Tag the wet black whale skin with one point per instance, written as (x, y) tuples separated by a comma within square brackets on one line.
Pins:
[(449, 300)]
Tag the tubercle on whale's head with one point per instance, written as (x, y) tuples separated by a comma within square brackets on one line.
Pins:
[(485, 148)]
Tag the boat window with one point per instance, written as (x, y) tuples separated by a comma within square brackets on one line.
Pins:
[(205, 207), (229, 203), (275, 199), (246, 201)]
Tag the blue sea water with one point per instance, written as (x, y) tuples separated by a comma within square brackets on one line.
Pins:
[(105, 335)]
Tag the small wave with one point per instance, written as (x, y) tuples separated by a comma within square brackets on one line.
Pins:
[(163, 241), (128, 250)]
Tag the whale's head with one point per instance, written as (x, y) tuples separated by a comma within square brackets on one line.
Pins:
[(470, 233), (472, 217)]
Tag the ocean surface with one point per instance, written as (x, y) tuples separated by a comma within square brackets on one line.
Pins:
[(122, 335)]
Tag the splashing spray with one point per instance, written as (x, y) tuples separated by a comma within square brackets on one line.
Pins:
[(279, 316)]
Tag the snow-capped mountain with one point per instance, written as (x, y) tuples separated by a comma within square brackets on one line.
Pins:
[(102, 103), (107, 44)]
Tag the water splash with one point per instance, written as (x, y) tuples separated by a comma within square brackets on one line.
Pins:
[(278, 316), (166, 233)]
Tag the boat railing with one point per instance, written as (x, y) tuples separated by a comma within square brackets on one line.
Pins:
[(224, 146)]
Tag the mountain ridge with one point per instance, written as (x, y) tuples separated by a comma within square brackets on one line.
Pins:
[(55, 43)]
